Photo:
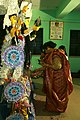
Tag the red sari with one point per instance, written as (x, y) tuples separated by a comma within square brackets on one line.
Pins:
[(57, 82)]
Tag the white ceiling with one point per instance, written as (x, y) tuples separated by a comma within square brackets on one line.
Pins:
[(60, 8)]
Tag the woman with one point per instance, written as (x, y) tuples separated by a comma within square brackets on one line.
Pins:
[(57, 80), (62, 49)]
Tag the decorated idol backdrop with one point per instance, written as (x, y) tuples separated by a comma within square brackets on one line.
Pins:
[(15, 81)]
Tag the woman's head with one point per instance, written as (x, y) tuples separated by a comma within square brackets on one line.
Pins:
[(47, 45), (63, 49)]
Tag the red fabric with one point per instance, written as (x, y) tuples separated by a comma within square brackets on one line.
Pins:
[(56, 82), (20, 37)]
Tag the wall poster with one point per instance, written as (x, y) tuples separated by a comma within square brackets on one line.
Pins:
[(56, 30)]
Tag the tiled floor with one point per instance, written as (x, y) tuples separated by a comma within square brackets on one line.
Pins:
[(73, 108)]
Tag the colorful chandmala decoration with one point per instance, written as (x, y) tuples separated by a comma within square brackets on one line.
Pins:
[(14, 91), (18, 92), (13, 56)]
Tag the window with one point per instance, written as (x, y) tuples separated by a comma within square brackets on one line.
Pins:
[(37, 43), (74, 43)]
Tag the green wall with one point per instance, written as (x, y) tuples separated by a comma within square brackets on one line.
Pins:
[(71, 22)]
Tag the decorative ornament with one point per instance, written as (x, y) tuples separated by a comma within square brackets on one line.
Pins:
[(21, 41), (14, 91), (13, 56), (15, 116)]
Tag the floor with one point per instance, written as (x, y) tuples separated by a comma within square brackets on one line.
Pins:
[(73, 108)]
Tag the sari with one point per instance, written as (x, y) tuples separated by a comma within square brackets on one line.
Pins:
[(57, 83)]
